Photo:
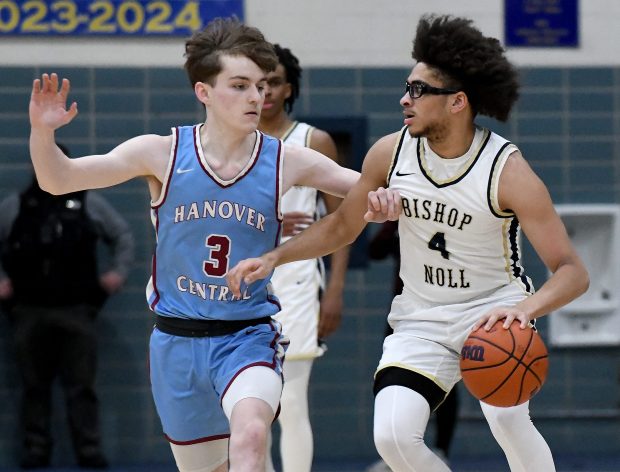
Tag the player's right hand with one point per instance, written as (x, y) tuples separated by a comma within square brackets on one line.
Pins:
[(294, 222), (383, 204), (48, 103), (248, 271)]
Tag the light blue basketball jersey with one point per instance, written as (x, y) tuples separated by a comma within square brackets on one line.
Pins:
[(206, 225)]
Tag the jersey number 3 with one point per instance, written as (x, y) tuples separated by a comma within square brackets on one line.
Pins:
[(219, 247)]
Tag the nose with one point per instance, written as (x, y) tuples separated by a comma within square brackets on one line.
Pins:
[(406, 100), (255, 95)]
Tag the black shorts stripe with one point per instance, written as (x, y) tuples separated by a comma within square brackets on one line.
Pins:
[(433, 394)]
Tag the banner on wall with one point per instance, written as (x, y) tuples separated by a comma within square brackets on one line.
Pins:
[(541, 23), (111, 17)]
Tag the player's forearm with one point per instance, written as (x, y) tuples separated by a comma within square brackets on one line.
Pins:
[(48, 160), (339, 261), (321, 238), (565, 285)]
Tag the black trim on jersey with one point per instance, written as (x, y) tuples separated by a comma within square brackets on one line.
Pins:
[(455, 181), (431, 392), (491, 174), (396, 154), (517, 270), (289, 131), (308, 137)]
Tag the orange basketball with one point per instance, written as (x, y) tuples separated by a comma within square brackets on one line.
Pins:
[(504, 367)]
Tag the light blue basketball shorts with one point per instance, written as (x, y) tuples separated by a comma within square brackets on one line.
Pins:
[(190, 375)]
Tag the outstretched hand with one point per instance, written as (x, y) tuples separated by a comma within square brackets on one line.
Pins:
[(48, 103), (383, 204), (248, 271)]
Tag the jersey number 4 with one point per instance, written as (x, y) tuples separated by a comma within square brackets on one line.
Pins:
[(217, 264), (438, 243)]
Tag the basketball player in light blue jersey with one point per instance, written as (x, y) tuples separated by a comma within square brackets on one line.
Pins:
[(304, 316), (215, 358), (460, 193)]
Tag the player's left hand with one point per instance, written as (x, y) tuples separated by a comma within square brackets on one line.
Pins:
[(383, 204), (507, 313), (331, 312)]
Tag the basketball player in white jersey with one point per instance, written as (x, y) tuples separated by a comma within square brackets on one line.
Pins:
[(460, 193), (215, 360), (304, 317)]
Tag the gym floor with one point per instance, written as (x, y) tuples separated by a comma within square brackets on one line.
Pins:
[(563, 464)]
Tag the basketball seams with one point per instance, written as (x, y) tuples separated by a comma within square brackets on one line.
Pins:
[(512, 385)]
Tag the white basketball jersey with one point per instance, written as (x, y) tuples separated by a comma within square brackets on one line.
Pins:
[(299, 198), (297, 284), (456, 243)]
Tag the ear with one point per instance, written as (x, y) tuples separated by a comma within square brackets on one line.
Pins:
[(459, 102), (203, 92), (288, 90)]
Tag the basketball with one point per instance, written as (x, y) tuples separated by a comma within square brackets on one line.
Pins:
[(504, 367)]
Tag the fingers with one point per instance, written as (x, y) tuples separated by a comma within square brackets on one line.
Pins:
[(49, 84), (64, 89), (383, 204), (371, 217), (54, 82), (395, 205), (298, 218), (36, 86), (328, 326), (233, 280), (72, 111), (508, 314), (246, 272)]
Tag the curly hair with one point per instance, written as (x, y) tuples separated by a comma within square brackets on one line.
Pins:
[(225, 36), (467, 60), (293, 73)]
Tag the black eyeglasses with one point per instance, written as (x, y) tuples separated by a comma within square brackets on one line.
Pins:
[(418, 88)]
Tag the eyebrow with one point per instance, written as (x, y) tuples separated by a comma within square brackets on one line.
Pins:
[(243, 77)]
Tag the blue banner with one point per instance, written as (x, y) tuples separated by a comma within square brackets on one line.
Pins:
[(112, 17), (541, 23)]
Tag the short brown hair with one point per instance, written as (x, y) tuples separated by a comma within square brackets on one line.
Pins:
[(225, 36)]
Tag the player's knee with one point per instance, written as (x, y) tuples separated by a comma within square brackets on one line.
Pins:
[(253, 433), (505, 418), (391, 437), (292, 408), (384, 441)]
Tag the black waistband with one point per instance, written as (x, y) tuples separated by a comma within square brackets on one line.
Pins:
[(203, 328)]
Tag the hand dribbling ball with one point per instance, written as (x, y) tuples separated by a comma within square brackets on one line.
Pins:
[(504, 367)]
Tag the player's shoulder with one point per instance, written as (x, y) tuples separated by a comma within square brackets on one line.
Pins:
[(153, 145), (384, 146), (319, 136), (322, 142), (152, 140)]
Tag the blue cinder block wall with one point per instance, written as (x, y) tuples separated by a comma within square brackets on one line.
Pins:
[(567, 124)]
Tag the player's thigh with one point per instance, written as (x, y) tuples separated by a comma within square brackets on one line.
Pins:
[(259, 382), (208, 456)]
